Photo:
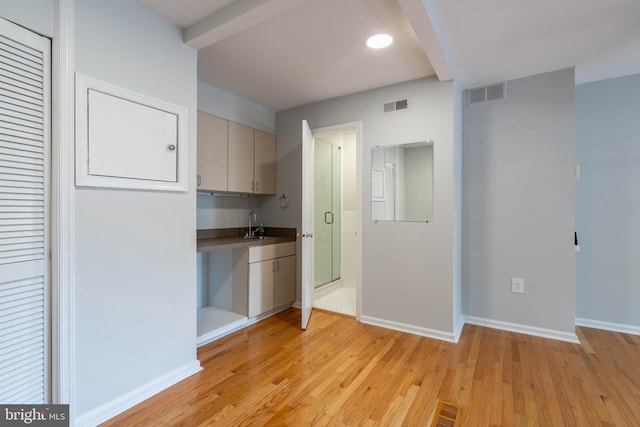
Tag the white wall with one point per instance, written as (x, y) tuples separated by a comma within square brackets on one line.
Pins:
[(349, 161), (36, 15), (518, 200), (348, 218), (348, 223), (407, 267), (226, 211), (135, 250), (608, 201), (231, 107)]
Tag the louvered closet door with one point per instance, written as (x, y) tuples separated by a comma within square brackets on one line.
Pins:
[(24, 151)]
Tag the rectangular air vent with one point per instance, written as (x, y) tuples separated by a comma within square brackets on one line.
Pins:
[(485, 93), (447, 415), (477, 95), (389, 107), (495, 92)]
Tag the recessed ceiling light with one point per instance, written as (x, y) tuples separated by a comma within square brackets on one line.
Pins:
[(379, 41)]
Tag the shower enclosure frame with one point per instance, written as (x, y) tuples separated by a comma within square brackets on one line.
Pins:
[(345, 127), (328, 212)]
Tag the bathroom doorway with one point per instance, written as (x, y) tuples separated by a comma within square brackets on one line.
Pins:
[(336, 219)]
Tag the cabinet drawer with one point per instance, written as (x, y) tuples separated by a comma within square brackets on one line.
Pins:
[(261, 253)]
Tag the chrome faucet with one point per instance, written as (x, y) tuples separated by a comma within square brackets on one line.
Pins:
[(253, 215)]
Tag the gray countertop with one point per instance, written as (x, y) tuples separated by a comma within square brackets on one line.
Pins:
[(230, 238), (216, 243)]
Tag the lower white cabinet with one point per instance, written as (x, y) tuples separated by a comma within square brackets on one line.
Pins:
[(272, 277), (261, 287), (284, 291)]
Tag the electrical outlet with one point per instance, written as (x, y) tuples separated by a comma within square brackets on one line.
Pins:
[(517, 285)]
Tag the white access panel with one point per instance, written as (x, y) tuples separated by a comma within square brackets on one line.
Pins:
[(131, 140), (128, 140)]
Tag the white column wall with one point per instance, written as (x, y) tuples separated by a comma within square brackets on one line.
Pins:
[(135, 312)]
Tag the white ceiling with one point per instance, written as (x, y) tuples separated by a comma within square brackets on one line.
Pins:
[(311, 50), (494, 40), (286, 53)]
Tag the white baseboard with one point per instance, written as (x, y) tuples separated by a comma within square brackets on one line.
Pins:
[(608, 326), (126, 401), (297, 304), (523, 329), (410, 329)]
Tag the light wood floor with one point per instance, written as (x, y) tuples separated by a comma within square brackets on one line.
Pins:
[(341, 372)]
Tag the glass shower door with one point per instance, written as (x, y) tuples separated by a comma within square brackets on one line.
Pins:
[(327, 212), (336, 211)]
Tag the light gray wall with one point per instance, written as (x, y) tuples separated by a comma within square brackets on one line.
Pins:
[(407, 267), (231, 107), (608, 201), (457, 208), (518, 199), (226, 211), (135, 312), (36, 15)]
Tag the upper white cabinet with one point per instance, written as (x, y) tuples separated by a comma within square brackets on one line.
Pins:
[(264, 171), (243, 161), (212, 153)]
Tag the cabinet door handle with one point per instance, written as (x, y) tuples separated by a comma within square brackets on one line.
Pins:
[(171, 147), (257, 186), (199, 180), (253, 186), (277, 265)]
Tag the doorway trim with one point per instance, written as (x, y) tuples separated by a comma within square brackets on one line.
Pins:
[(357, 126), (62, 206)]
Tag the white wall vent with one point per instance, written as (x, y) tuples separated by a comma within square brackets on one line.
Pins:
[(389, 107), (486, 93)]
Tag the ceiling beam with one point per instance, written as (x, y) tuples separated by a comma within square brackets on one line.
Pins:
[(418, 17), (232, 18)]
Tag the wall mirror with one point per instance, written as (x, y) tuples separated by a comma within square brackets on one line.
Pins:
[(402, 182)]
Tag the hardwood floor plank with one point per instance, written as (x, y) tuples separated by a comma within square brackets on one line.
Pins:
[(428, 378), (346, 392), (343, 373)]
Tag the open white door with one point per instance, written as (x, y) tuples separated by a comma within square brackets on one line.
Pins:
[(307, 223)]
